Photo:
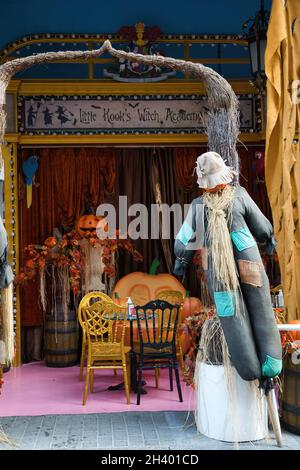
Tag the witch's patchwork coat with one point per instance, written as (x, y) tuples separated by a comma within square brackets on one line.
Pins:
[(252, 335)]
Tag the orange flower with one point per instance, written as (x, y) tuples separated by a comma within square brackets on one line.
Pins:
[(30, 264), (20, 278), (42, 263), (50, 242), (63, 243)]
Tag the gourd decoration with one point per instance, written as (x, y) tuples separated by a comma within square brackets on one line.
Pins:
[(191, 306)]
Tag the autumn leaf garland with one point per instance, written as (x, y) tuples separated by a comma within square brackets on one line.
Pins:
[(67, 252)]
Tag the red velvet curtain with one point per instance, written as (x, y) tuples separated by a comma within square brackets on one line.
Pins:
[(139, 172), (69, 182), (185, 159), (251, 173)]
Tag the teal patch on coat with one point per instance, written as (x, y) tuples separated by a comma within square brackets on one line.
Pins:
[(271, 367), (242, 238), (225, 303), (185, 233)]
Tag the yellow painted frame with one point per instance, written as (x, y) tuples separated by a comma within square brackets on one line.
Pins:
[(11, 219), (88, 87)]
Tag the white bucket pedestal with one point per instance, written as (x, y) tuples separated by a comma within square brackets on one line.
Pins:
[(235, 415)]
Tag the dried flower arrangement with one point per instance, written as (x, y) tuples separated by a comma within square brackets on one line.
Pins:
[(66, 255)]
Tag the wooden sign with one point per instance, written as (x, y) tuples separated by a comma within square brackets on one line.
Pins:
[(120, 114)]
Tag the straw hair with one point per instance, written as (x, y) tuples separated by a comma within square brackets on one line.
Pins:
[(219, 213)]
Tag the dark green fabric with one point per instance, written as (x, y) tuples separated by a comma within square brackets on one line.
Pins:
[(252, 335)]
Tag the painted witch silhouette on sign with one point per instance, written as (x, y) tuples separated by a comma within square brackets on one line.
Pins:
[(47, 117), (64, 115), (31, 116)]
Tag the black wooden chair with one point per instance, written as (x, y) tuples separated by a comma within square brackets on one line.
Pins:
[(156, 348)]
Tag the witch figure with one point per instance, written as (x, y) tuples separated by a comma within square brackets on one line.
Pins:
[(226, 225)]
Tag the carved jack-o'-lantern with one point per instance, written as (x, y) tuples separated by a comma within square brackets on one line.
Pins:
[(87, 224)]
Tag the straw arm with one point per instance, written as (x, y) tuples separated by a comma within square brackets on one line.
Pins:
[(8, 69), (222, 125), (219, 90)]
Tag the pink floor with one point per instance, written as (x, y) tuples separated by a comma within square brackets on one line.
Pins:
[(35, 389)]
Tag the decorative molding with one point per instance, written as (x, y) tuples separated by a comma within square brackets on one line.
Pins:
[(11, 218), (48, 38), (163, 139), (107, 87)]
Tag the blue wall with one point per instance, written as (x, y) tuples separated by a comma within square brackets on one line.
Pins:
[(21, 17)]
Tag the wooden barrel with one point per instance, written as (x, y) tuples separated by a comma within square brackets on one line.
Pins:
[(290, 402), (61, 342)]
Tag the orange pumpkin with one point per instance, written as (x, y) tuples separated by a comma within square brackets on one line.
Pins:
[(143, 287), (191, 306), (295, 335), (87, 224)]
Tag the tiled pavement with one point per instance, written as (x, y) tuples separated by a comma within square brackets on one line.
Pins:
[(134, 430)]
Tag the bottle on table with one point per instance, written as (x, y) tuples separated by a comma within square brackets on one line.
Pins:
[(130, 308), (280, 301)]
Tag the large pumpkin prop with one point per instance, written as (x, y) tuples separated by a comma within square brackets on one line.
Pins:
[(87, 224), (143, 287)]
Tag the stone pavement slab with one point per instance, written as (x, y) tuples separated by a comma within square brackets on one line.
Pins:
[(165, 430)]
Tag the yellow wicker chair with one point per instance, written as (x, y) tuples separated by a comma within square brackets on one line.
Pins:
[(87, 301), (105, 345)]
